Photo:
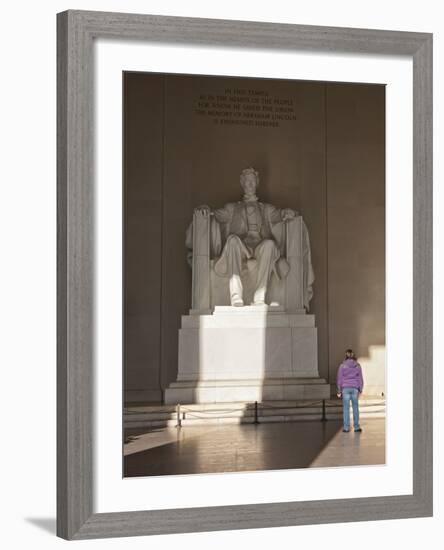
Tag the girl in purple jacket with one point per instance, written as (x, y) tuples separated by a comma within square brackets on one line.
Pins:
[(350, 384)]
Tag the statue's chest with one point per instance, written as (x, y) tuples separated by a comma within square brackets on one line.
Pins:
[(249, 217)]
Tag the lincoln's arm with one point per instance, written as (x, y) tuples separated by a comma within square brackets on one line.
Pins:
[(274, 214), (223, 215)]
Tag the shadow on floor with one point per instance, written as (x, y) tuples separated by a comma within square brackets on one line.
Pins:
[(236, 448)]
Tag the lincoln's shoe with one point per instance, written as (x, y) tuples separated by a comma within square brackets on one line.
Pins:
[(237, 301), (358, 430), (346, 431)]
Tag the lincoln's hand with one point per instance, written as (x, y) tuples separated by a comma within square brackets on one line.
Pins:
[(203, 210), (288, 214)]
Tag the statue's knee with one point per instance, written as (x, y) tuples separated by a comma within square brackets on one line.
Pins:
[(233, 240), (268, 244)]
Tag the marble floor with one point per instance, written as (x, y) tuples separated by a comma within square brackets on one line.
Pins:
[(249, 447)]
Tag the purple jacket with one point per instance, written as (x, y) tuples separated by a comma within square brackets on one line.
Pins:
[(350, 375)]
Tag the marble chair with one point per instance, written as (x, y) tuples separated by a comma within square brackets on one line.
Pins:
[(291, 291)]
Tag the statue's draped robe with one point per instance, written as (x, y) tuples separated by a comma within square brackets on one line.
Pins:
[(232, 220)]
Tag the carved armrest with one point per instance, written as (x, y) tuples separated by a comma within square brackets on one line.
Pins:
[(294, 256), (201, 261)]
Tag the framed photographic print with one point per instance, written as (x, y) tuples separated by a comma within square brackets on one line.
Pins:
[(242, 208)]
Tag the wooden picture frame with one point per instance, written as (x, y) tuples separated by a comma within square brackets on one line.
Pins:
[(77, 31)]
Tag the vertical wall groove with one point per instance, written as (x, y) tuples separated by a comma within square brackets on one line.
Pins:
[(329, 375), (162, 252)]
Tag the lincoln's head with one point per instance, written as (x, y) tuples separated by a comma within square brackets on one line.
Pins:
[(249, 180)]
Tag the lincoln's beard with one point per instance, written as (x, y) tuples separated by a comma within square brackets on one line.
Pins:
[(250, 196)]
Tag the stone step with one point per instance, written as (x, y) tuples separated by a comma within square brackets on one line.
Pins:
[(247, 390), (246, 318)]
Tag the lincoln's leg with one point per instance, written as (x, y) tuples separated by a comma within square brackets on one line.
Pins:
[(236, 291), (266, 254), (236, 252)]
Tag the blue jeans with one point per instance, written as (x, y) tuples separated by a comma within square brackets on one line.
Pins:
[(350, 394)]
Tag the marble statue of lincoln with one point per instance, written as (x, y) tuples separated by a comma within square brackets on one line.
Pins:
[(245, 230)]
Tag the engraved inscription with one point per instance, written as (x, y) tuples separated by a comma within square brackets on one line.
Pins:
[(245, 107)]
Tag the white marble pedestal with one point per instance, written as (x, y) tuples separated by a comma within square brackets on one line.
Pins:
[(251, 353)]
